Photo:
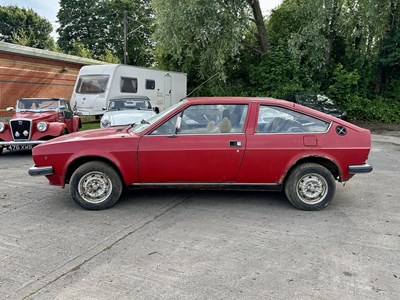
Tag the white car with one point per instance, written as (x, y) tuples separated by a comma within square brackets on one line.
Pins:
[(127, 110)]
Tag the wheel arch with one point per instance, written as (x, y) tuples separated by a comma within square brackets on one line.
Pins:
[(329, 164), (75, 164)]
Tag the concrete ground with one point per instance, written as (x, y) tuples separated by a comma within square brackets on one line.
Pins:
[(164, 244)]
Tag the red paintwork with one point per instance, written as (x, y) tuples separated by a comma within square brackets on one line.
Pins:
[(262, 158), (56, 126)]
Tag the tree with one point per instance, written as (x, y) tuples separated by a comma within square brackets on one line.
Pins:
[(388, 61), (25, 27), (203, 37), (98, 25)]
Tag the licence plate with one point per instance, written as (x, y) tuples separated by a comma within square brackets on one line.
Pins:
[(19, 147)]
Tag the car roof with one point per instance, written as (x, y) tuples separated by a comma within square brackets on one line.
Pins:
[(211, 100), (261, 100), (130, 97)]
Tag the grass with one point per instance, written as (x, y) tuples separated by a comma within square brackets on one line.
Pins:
[(86, 125)]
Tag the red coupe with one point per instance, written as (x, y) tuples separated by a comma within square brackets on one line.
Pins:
[(227, 142), (35, 121)]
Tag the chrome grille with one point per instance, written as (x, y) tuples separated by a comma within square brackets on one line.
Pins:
[(21, 129)]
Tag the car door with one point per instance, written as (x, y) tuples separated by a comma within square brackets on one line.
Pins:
[(208, 148)]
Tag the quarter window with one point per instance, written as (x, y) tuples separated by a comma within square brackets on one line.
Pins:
[(274, 119)]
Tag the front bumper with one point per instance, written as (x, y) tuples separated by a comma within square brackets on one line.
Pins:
[(40, 171), (14, 143), (359, 169)]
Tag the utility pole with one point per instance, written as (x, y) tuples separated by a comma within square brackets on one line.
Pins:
[(125, 34)]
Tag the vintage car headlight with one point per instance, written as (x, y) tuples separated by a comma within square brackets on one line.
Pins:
[(41, 126), (105, 123), (2, 127)]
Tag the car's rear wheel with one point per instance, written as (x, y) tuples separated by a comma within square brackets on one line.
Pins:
[(310, 187), (95, 185)]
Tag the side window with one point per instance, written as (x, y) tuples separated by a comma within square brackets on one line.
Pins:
[(150, 84), (128, 85), (214, 119), (207, 119), (274, 119), (168, 128)]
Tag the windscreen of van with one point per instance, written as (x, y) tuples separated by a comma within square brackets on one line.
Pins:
[(92, 84)]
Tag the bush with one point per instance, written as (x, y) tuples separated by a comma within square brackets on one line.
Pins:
[(376, 110)]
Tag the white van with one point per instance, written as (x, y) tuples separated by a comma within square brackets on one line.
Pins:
[(97, 84)]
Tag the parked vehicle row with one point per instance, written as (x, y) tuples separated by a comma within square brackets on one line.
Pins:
[(222, 142)]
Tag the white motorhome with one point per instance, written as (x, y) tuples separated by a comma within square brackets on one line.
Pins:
[(97, 84)]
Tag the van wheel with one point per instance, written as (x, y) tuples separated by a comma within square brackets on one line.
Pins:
[(95, 185), (310, 187)]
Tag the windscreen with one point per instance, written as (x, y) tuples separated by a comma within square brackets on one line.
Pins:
[(92, 84), (35, 105)]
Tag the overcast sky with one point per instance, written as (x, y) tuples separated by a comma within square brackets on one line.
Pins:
[(49, 8)]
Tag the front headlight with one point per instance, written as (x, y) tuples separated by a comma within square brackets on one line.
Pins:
[(41, 126), (105, 123), (2, 127)]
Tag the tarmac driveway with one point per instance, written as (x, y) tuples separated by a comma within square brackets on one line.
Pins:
[(165, 244)]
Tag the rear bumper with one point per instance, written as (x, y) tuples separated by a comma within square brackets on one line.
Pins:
[(359, 169), (40, 171)]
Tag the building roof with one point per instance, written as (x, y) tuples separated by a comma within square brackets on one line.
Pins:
[(46, 54)]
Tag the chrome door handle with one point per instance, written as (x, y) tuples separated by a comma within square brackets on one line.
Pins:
[(235, 144)]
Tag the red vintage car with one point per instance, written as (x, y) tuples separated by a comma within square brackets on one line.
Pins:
[(35, 121), (226, 142)]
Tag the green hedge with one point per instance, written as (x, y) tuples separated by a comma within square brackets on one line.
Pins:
[(376, 110)]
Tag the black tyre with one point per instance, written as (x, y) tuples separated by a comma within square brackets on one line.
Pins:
[(95, 185), (310, 187)]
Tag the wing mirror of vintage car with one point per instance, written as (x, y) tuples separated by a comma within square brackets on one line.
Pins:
[(10, 108), (156, 109)]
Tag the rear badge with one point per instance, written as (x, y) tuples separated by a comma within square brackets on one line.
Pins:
[(340, 130)]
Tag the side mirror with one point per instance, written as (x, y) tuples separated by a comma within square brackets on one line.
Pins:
[(178, 124), (104, 108), (10, 108), (156, 109)]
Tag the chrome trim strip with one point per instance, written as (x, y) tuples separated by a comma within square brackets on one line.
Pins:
[(203, 183), (210, 186), (21, 143)]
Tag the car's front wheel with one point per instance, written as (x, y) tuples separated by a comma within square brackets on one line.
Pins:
[(310, 187), (95, 185)]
